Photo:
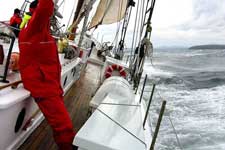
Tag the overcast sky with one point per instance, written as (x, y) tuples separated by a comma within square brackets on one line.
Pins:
[(175, 22)]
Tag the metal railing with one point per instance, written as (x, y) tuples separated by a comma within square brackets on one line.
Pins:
[(161, 113), (4, 76)]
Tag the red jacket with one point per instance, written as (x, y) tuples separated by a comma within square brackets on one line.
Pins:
[(39, 63), (15, 20)]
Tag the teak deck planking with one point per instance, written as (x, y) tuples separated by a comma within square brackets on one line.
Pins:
[(77, 103)]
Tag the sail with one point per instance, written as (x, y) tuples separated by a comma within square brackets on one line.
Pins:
[(79, 14), (109, 11), (78, 9)]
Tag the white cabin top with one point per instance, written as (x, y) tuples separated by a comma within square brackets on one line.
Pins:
[(113, 127)]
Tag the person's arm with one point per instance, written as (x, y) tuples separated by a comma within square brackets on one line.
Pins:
[(26, 18), (40, 18)]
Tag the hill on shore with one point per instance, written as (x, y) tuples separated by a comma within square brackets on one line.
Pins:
[(210, 46)]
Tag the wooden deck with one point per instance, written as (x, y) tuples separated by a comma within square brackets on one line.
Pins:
[(76, 101)]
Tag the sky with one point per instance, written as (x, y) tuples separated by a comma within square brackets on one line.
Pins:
[(180, 23)]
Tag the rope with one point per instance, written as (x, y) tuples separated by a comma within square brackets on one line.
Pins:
[(142, 19), (120, 104), (138, 26), (118, 28), (175, 132), (71, 15), (7, 25), (145, 16), (173, 127), (139, 39), (117, 33), (119, 15), (122, 127), (134, 33), (169, 117)]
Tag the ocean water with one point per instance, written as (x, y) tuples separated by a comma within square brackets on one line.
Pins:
[(193, 84)]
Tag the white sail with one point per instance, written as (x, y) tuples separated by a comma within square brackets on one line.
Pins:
[(81, 12), (109, 11)]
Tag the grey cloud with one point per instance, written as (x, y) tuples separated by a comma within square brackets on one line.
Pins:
[(207, 15)]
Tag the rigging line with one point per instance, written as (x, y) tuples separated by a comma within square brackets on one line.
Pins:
[(119, 16), (142, 18), (152, 8), (63, 1), (175, 132), (116, 36), (121, 104), (134, 33), (173, 127), (9, 26), (138, 26), (118, 26), (128, 20), (145, 16), (71, 15), (63, 9), (151, 126), (137, 31), (143, 22), (122, 127), (139, 37)]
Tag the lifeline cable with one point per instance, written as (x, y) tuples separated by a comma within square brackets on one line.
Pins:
[(122, 127)]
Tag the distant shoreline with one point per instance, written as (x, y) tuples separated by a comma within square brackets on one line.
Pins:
[(209, 46)]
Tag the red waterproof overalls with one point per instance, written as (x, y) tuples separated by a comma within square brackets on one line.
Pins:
[(15, 19), (15, 22), (40, 71)]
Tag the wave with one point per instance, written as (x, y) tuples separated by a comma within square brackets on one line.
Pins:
[(200, 80), (198, 117), (191, 82)]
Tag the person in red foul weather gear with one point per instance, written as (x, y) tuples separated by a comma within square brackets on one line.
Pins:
[(40, 72), (15, 21)]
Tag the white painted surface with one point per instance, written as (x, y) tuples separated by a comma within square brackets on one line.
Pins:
[(9, 117), (121, 130), (114, 86)]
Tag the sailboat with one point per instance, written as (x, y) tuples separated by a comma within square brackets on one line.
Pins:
[(105, 90)]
